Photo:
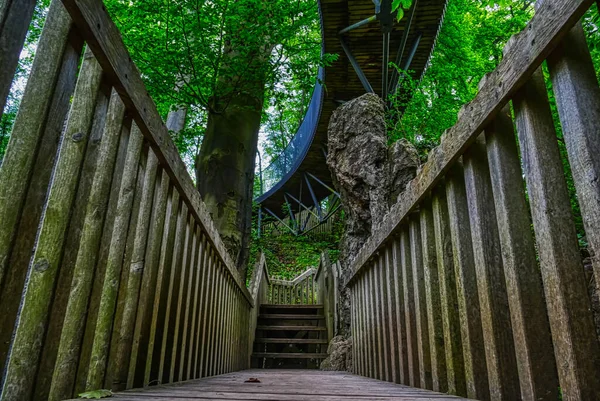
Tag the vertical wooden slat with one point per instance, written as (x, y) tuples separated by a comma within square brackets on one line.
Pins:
[(385, 318), (372, 331), (409, 308), (362, 332), (381, 348), (392, 326), (106, 309), (14, 22), (203, 266), (45, 262), (17, 266), (187, 289), (65, 370), (422, 329), (400, 305), (170, 335), (366, 331), (160, 309), (218, 355), (577, 98), (212, 317), (194, 304), (143, 320), (431, 287), (208, 304), (573, 332), (182, 287), (18, 163), (495, 315), (466, 285), (448, 295), (124, 341), (533, 345)]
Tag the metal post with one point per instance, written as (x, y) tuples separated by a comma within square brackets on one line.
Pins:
[(357, 69), (386, 58), (313, 196), (259, 220), (325, 185), (411, 55), (403, 41), (358, 24)]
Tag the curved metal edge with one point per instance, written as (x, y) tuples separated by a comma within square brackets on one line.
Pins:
[(300, 159)]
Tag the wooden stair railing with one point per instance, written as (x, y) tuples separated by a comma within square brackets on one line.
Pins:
[(112, 274), (300, 290), (453, 291)]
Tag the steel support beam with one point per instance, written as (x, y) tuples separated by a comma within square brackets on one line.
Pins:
[(324, 185), (302, 204), (358, 24), (313, 196), (403, 41), (361, 75), (408, 62), (385, 67), (281, 221)]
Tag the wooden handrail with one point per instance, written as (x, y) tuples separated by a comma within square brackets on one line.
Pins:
[(473, 283)]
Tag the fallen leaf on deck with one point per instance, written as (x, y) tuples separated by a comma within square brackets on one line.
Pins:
[(252, 380), (96, 394)]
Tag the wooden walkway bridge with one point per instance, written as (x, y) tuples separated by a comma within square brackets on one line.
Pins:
[(113, 276)]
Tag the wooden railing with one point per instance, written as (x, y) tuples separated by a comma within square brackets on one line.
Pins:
[(454, 291), (260, 292), (327, 278), (112, 274), (300, 290)]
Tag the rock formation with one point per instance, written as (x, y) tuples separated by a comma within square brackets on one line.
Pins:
[(368, 174)]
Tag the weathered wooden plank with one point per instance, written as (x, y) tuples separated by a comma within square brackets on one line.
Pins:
[(531, 331), (180, 303), (466, 285), (18, 264), (134, 279), (385, 320), (202, 264), (15, 18), (143, 320), (105, 40), (526, 52), (432, 302), (216, 351), (409, 308), (400, 310), (169, 338), (37, 298), (421, 327), (380, 349), (577, 99), (210, 339), (187, 325), (160, 309), (391, 306), (371, 329), (206, 307), (493, 300), (18, 162), (573, 333), (65, 370)]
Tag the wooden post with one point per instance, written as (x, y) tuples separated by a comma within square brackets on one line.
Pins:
[(531, 331), (468, 298), (45, 263), (385, 317), (421, 327), (400, 311), (379, 350), (100, 345), (433, 306), (573, 332), (389, 302), (409, 308), (578, 102), (75, 316), (18, 162)]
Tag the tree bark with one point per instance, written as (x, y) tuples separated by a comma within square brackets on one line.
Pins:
[(225, 170)]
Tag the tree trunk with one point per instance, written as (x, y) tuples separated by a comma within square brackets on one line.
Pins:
[(225, 170)]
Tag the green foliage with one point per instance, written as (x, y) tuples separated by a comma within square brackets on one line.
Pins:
[(96, 394), (399, 6)]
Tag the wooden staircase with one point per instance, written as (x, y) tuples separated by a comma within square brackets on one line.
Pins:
[(290, 336)]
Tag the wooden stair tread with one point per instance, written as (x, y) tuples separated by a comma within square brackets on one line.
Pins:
[(289, 355), (292, 306), (290, 316), (289, 328), (290, 341)]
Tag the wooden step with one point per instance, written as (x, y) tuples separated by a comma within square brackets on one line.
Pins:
[(290, 316), (290, 328), (289, 355), (293, 306), (291, 341)]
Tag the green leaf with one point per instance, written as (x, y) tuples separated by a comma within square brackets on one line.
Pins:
[(396, 4), (96, 394), (400, 14)]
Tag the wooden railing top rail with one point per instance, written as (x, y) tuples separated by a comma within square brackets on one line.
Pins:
[(104, 39), (296, 280), (260, 271), (523, 55)]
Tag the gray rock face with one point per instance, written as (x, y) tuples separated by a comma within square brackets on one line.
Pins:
[(340, 355), (367, 173)]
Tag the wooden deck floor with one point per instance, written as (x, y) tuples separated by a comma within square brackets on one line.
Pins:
[(297, 385)]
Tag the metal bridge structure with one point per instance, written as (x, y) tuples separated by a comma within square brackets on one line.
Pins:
[(367, 36)]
